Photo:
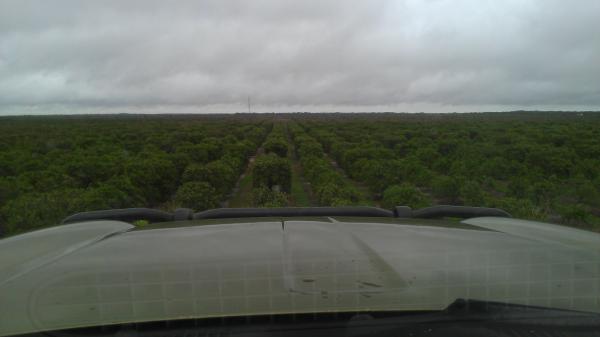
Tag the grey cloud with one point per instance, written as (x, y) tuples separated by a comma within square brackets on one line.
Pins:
[(440, 55)]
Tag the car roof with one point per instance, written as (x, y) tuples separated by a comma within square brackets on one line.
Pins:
[(108, 272)]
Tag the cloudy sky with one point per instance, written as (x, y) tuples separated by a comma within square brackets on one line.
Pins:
[(210, 56)]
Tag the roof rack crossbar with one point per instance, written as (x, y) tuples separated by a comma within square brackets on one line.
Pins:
[(220, 213), (123, 214), (153, 215)]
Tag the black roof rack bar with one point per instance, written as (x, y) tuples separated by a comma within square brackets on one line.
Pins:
[(123, 214), (458, 212), (221, 213), (180, 214)]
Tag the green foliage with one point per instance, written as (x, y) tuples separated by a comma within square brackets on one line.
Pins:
[(447, 188), (542, 192), (308, 147), (584, 191), (194, 172), (51, 167), (107, 196), (33, 210), (378, 174), (575, 214), (330, 187), (8, 189), (404, 195), (472, 193), (414, 172), (220, 174), (141, 223), (271, 170), (265, 197), (332, 194), (155, 177), (518, 187), (277, 146), (198, 196), (276, 142), (520, 208), (536, 164)]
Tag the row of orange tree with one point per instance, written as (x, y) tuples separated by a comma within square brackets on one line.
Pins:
[(272, 172), (543, 166), (330, 187), (51, 167)]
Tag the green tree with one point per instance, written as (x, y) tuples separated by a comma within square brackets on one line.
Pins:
[(194, 172), (574, 214), (35, 210), (404, 195), (265, 197), (331, 193), (447, 188), (270, 170), (277, 146), (8, 189), (472, 194), (196, 153), (105, 196), (198, 196), (309, 147), (155, 177)]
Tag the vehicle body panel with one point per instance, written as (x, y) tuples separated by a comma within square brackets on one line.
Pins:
[(294, 266)]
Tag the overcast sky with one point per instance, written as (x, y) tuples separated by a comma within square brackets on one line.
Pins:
[(209, 56)]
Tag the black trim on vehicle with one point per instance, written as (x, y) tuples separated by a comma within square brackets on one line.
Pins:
[(222, 213), (123, 214), (182, 214), (463, 317)]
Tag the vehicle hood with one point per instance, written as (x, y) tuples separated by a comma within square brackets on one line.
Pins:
[(103, 272)]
